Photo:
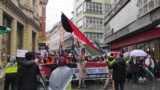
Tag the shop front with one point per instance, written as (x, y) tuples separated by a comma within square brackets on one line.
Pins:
[(148, 41)]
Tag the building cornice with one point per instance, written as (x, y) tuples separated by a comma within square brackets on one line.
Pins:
[(11, 6), (147, 22), (115, 10)]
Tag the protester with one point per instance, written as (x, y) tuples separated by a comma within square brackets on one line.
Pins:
[(82, 71), (27, 73), (119, 72), (110, 61), (150, 64), (141, 71), (157, 69), (11, 74), (128, 69), (50, 59), (60, 78), (134, 69)]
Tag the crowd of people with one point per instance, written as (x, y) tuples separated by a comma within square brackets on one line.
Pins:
[(131, 68), (22, 74)]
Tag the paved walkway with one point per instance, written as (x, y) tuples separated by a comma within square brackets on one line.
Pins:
[(147, 85), (98, 85)]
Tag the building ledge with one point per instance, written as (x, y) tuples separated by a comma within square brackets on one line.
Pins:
[(146, 22), (20, 14), (115, 10)]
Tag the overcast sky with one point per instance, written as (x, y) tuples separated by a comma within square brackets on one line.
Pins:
[(54, 9)]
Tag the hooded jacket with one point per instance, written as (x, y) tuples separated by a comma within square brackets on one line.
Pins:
[(119, 70), (27, 75)]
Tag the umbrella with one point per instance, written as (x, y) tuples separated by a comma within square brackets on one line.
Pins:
[(138, 53), (126, 54), (4, 30)]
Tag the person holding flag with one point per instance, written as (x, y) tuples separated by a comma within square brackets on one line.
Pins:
[(150, 64)]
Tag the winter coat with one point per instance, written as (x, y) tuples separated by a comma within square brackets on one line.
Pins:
[(27, 75), (119, 70), (134, 67)]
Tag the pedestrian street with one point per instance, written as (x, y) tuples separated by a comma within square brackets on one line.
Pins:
[(147, 85)]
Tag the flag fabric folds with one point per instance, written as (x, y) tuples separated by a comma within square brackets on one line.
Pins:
[(4, 30), (70, 27), (99, 48), (145, 68), (75, 47)]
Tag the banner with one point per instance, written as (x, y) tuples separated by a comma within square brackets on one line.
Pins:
[(91, 73)]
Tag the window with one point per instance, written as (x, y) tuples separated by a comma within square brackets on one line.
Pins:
[(93, 7), (80, 23), (79, 9), (93, 22), (19, 35), (107, 7), (94, 36), (146, 6)]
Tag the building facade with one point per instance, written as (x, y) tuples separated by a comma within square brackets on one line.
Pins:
[(58, 35), (134, 24), (24, 17), (88, 16), (53, 37)]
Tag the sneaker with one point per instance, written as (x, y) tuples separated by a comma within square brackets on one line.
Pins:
[(140, 78), (144, 79)]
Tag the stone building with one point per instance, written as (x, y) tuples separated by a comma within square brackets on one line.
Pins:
[(26, 18)]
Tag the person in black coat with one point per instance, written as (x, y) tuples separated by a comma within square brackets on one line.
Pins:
[(157, 69), (27, 73), (119, 72), (134, 69)]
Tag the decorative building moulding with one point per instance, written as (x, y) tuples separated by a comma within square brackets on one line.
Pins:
[(114, 10), (8, 4)]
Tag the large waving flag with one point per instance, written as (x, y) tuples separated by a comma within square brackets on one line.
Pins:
[(99, 48), (4, 30), (75, 48), (70, 27)]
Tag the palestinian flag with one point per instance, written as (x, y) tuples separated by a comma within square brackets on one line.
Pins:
[(77, 48), (70, 27), (145, 68), (99, 48), (4, 30)]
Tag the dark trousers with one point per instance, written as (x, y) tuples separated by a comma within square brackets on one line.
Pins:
[(10, 80), (141, 73), (119, 85), (135, 77)]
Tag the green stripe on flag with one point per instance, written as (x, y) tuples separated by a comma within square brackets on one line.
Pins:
[(90, 50), (4, 30)]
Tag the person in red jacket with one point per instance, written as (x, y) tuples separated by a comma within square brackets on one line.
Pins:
[(50, 60)]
